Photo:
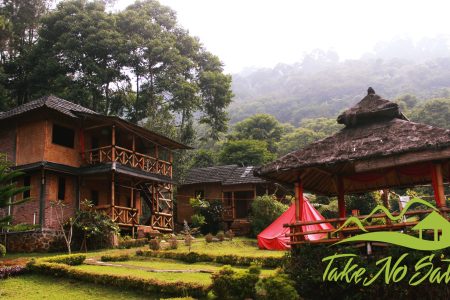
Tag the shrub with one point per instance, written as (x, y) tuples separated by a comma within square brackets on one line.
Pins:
[(2, 250), (191, 257), (229, 234), (209, 238), (155, 244), (220, 236), (173, 243), (123, 257), (265, 210), (129, 242), (278, 286), (198, 220), (6, 272), (71, 260), (227, 284)]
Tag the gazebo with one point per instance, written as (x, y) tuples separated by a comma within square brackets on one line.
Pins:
[(378, 149)]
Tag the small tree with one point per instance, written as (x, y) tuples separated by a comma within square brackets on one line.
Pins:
[(8, 188), (265, 210), (65, 224), (93, 224), (188, 233)]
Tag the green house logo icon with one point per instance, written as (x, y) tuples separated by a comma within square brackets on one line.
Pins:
[(433, 223)]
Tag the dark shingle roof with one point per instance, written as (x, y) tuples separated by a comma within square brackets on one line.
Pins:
[(52, 102), (227, 175)]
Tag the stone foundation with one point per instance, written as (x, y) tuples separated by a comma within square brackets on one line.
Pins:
[(45, 240)]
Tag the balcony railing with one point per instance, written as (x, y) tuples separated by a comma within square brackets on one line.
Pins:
[(124, 216), (129, 158)]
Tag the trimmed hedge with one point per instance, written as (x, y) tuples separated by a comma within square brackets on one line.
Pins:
[(71, 260), (123, 257), (133, 243), (234, 260), (6, 272), (175, 289)]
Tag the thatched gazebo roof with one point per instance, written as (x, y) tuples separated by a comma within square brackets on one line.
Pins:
[(378, 143)]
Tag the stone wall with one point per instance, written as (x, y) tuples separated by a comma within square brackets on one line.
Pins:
[(33, 241)]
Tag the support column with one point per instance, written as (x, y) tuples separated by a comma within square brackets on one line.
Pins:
[(385, 199), (438, 185), (299, 199), (233, 205), (113, 194), (113, 143), (341, 197), (133, 148), (42, 200)]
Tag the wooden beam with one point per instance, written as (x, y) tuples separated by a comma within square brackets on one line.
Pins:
[(341, 197), (113, 143), (298, 198), (113, 194), (401, 159), (95, 127), (438, 185), (233, 205)]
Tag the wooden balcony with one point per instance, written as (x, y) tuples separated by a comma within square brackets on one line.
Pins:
[(128, 158), (297, 230), (123, 216)]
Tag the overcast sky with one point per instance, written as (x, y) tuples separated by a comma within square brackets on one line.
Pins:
[(262, 33)]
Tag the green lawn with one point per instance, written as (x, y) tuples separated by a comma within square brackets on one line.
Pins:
[(34, 287), (239, 246)]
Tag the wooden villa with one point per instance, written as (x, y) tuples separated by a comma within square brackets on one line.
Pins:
[(235, 186), (378, 149), (71, 153)]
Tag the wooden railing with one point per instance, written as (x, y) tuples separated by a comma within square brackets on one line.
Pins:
[(227, 213), (162, 221), (129, 158), (124, 216), (297, 233)]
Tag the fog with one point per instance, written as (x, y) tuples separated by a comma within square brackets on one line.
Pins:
[(262, 33)]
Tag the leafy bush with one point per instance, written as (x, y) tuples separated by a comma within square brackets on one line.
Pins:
[(227, 284), (8, 271), (265, 210), (71, 260), (129, 243), (150, 286), (123, 257), (229, 234), (211, 211), (209, 238), (22, 227), (173, 243), (278, 286), (2, 250), (155, 244), (198, 220), (220, 236)]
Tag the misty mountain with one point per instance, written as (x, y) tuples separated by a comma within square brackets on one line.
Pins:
[(322, 86)]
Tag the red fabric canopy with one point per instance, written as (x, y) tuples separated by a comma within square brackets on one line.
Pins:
[(274, 236)]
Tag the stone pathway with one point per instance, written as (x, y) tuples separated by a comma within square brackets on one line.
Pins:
[(92, 261)]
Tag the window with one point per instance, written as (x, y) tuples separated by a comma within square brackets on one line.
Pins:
[(63, 136), (94, 197), (61, 188), (200, 193), (26, 182)]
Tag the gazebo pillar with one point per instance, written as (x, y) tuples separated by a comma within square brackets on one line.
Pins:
[(438, 185), (341, 197), (298, 208), (299, 199)]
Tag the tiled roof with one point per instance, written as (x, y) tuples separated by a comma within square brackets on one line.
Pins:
[(61, 105), (227, 175)]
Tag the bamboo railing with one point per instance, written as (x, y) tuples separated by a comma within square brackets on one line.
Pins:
[(129, 158), (124, 216), (297, 233)]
